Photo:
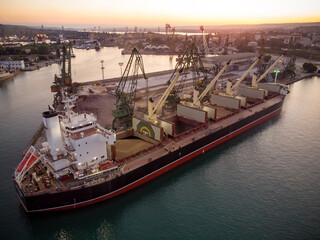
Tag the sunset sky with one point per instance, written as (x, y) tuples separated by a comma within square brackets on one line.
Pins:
[(106, 13)]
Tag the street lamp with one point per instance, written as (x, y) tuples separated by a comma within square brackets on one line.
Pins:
[(120, 64), (102, 69), (276, 72)]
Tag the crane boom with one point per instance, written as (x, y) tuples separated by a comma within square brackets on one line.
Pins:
[(270, 68), (211, 84), (246, 73), (165, 95)]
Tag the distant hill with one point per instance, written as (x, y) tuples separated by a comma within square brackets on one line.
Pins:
[(250, 26), (20, 30), (31, 31)]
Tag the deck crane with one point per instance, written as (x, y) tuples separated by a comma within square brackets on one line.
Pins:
[(196, 98), (255, 81), (205, 45), (126, 92), (230, 88), (154, 110)]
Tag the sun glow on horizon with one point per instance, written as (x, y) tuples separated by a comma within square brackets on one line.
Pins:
[(149, 13)]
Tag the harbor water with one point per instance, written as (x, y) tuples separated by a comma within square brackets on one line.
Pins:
[(264, 184)]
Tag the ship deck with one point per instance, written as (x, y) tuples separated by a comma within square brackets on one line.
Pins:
[(172, 144), (34, 180)]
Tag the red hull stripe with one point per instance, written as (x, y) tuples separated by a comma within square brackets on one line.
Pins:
[(162, 170)]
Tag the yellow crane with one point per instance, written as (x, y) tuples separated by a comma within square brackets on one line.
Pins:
[(197, 99), (230, 89), (255, 81), (154, 110)]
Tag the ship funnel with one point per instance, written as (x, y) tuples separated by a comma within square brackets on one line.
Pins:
[(53, 132)]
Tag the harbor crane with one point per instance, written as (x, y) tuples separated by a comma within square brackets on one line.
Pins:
[(205, 45), (255, 81), (64, 80), (189, 62), (126, 92), (167, 26), (172, 44)]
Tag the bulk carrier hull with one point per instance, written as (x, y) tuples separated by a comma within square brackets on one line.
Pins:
[(70, 199)]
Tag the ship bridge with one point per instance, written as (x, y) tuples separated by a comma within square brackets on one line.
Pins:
[(83, 121)]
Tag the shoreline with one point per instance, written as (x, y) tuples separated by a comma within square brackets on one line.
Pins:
[(289, 81)]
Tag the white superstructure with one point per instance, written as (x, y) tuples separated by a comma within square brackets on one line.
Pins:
[(76, 142)]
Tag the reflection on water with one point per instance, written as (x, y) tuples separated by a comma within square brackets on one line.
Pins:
[(62, 234), (104, 231)]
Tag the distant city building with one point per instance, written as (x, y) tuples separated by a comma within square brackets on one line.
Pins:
[(12, 64), (210, 61), (316, 37), (305, 41), (253, 44), (286, 41), (152, 47), (12, 45), (40, 38), (27, 50), (257, 37)]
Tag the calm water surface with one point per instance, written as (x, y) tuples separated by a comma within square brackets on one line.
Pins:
[(264, 184)]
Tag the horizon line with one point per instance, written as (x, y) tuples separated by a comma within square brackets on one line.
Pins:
[(74, 25)]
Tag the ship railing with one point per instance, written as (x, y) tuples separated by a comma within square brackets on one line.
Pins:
[(72, 185), (272, 95), (227, 116), (103, 130), (191, 131), (84, 181), (85, 112)]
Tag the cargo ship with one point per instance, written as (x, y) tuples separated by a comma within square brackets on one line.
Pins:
[(81, 163)]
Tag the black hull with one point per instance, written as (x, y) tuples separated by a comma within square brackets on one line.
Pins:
[(89, 195)]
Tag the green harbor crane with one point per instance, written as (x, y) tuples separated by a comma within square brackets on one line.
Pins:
[(126, 92), (190, 61), (64, 81)]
